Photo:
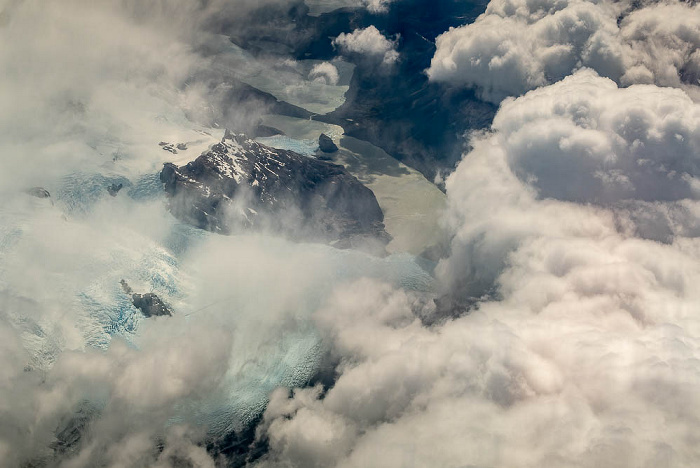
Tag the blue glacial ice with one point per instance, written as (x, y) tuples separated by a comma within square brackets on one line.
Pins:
[(287, 356)]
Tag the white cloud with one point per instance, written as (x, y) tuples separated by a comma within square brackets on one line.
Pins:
[(516, 46), (324, 72), (581, 140), (664, 39), (584, 354), (377, 6), (585, 140), (368, 42)]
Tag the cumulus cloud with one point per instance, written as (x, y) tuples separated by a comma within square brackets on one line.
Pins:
[(377, 6), (664, 39), (124, 396), (71, 358), (325, 6), (71, 94), (580, 348), (94, 382), (324, 72), (368, 42), (518, 46), (585, 140)]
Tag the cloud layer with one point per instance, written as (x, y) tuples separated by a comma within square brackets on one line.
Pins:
[(581, 350), (516, 46)]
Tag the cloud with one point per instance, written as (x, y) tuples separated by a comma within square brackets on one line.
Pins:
[(73, 344), (664, 39), (582, 140), (71, 357), (575, 225), (518, 46), (585, 140), (107, 77), (64, 92), (581, 348), (377, 6), (368, 42), (324, 72), (125, 396)]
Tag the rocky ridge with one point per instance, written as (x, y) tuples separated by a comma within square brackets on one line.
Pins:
[(240, 184)]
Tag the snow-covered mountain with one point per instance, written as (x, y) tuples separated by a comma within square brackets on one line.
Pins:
[(242, 184)]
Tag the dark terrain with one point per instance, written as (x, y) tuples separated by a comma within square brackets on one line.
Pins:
[(240, 184)]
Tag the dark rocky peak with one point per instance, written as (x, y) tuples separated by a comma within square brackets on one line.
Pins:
[(325, 144), (70, 430), (113, 189), (149, 304), (242, 184)]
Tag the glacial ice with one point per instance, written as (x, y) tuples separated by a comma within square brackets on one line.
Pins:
[(167, 265)]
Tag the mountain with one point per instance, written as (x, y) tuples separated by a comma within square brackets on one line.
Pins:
[(240, 184)]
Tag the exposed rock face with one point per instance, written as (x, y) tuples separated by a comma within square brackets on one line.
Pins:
[(241, 184), (149, 304), (114, 189), (168, 147), (70, 432), (39, 192), (326, 145)]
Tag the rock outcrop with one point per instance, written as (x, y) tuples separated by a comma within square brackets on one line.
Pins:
[(149, 304), (325, 144), (38, 192), (113, 189)]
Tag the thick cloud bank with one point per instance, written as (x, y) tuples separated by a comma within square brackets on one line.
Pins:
[(585, 140), (516, 46), (582, 347)]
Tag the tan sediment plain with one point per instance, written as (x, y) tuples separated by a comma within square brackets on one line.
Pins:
[(412, 205)]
